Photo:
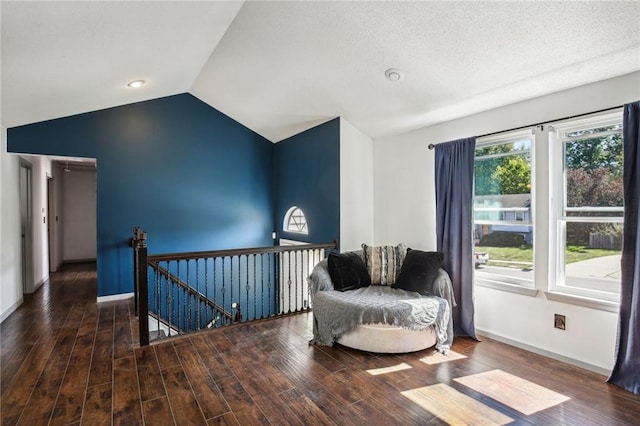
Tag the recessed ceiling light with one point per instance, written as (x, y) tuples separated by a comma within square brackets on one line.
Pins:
[(393, 74), (136, 83)]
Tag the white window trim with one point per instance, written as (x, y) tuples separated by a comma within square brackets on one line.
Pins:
[(557, 291), (498, 139), (287, 217), (511, 288), (587, 302)]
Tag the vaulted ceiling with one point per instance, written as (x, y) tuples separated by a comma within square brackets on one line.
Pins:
[(282, 67)]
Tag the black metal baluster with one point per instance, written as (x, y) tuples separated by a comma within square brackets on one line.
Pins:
[(215, 295), (169, 298), (187, 300), (223, 290), (206, 291), (198, 302), (261, 285), (255, 296), (158, 284), (239, 296), (233, 303), (177, 302), (247, 287)]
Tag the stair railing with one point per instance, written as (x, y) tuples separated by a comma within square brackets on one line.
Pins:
[(180, 293)]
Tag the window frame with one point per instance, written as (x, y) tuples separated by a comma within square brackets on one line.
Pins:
[(287, 220), (514, 287), (557, 288)]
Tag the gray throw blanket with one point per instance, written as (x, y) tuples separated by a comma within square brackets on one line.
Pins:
[(336, 313)]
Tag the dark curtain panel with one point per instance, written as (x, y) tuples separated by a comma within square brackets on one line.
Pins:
[(454, 222), (626, 372)]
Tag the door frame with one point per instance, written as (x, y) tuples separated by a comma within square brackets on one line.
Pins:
[(25, 184)]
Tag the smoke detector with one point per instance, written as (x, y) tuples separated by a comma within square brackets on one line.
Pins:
[(393, 74)]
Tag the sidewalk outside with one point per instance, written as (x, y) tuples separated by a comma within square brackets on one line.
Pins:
[(599, 267)]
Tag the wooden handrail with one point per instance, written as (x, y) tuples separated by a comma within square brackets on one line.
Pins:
[(238, 252), (191, 290), (142, 262)]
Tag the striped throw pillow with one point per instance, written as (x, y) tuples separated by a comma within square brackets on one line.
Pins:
[(384, 262)]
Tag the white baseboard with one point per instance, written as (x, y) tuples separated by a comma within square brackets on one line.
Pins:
[(553, 355), (10, 310), (39, 283), (113, 297)]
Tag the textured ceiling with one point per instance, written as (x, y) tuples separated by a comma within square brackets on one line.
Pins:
[(62, 58), (282, 67)]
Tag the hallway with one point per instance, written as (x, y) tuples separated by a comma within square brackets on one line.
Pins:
[(59, 344)]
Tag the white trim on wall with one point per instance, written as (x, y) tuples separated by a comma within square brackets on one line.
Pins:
[(111, 298), (40, 282), (11, 309), (536, 350)]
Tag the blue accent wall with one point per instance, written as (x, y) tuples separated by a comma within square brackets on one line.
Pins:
[(307, 175), (190, 176)]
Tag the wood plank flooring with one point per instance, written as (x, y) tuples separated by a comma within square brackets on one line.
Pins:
[(66, 360)]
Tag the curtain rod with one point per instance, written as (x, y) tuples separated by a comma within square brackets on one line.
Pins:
[(542, 123)]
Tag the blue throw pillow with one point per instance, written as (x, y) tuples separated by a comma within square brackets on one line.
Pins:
[(347, 271)]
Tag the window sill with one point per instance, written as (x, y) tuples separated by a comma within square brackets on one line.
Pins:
[(510, 288), (602, 305)]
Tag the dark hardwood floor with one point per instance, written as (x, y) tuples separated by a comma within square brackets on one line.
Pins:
[(67, 360)]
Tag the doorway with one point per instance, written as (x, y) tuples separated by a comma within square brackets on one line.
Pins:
[(26, 224)]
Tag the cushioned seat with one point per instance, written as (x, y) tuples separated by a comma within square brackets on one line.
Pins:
[(383, 318), (384, 338)]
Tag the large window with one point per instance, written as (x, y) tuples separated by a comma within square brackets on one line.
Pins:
[(587, 215), (503, 214)]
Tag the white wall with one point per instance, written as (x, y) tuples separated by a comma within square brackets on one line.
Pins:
[(41, 168), (79, 215), (10, 244), (55, 219), (356, 187), (405, 212), (404, 196)]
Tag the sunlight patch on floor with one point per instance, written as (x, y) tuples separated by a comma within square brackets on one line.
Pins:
[(454, 407), (393, 368), (512, 391), (437, 358)]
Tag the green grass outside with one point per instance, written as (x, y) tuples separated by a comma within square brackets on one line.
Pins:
[(525, 254)]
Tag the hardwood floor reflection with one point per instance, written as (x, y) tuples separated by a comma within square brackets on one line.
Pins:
[(67, 360)]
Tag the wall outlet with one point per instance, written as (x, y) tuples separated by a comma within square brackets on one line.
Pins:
[(559, 321)]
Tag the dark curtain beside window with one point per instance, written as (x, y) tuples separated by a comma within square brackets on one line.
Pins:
[(454, 225), (626, 372)]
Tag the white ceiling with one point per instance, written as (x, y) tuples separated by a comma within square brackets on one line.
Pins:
[(282, 67), (62, 58)]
